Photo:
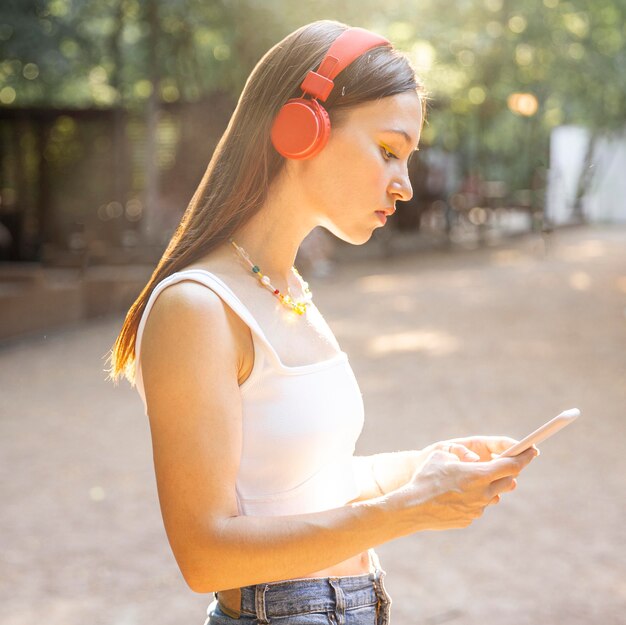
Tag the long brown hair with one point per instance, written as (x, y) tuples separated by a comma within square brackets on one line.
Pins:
[(244, 163)]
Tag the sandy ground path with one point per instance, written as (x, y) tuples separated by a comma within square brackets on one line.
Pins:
[(494, 341)]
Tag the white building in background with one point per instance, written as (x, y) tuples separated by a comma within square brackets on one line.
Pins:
[(605, 201)]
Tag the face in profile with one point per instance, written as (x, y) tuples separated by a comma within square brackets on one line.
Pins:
[(363, 168)]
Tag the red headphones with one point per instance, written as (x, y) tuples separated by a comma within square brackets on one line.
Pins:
[(302, 126)]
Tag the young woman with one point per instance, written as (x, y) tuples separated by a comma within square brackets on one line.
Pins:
[(254, 410)]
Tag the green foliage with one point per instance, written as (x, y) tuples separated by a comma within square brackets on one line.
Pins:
[(568, 58)]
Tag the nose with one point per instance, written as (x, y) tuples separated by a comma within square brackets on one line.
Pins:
[(400, 188)]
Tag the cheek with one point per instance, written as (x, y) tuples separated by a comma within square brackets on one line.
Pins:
[(358, 168), (347, 173), (370, 178)]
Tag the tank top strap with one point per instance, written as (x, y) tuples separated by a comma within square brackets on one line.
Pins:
[(218, 286)]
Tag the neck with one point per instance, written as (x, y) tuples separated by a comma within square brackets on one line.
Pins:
[(271, 239)]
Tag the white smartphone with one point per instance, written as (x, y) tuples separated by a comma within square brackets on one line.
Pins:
[(540, 434)]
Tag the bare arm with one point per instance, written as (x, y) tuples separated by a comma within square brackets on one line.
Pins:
[(383, 473), (190, 365), (190, 368)]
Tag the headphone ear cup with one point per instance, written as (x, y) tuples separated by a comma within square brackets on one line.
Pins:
[(301, 129)]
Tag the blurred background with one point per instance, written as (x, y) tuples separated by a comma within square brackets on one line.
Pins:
[(493, 300)]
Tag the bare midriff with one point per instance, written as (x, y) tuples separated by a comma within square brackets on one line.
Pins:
[(356, 565)]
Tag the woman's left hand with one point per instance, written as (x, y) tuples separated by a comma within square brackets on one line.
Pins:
[(384, 472), (458, 446), (481, 448)]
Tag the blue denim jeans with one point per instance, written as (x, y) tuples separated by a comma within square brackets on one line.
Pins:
[(347, 600)]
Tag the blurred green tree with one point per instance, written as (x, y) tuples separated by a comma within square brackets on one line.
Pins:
[(500, 74)]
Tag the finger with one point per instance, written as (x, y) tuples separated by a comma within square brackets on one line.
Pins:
[(502, 467), (463, 453), (524, 459), (503, 485), (498, 444), (492, 444), (497, 455), (440, 455)]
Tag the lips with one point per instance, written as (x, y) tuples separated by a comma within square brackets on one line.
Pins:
[(387, 211)]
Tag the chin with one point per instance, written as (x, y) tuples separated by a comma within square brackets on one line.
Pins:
[(355, 238), (363, 239)]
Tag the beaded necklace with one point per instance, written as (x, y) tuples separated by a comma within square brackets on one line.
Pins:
[(297, 306)]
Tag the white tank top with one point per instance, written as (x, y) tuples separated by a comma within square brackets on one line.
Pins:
[(300, 424)]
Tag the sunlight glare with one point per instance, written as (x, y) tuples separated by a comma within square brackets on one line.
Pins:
[(433, 342), (580, 281)]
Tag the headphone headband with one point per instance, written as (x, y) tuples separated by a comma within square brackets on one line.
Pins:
[(349, 46)]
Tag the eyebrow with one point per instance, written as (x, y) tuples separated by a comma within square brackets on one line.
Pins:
[(402, 133)]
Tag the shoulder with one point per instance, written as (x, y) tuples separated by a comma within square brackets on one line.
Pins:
[(190, 322), (188, 297), (187, 318)]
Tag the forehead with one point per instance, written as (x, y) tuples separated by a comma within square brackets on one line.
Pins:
[(402, 111)]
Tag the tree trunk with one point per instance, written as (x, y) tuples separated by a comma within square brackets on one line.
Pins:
[(151, 214)]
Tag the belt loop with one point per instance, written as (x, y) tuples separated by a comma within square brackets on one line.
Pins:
[(340, 601), (383, 609), (259, 603)]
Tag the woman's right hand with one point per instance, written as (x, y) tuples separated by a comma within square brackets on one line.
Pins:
[(447, 493)]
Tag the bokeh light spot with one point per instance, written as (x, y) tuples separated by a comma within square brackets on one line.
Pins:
[(423, 55), (517, 24), (494, 29), (170, 93), (477, 95), (134, 208), (493, 5), (523, 104), (466, 58), (221, 52), (577, 23), (477, 216), (143, 88), (7, 95), (524, 54), (30, 71)]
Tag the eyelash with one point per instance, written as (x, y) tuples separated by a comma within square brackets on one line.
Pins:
[(387, 152)]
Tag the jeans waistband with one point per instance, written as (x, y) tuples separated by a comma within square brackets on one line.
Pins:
[(266, 601), (317, 594)]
